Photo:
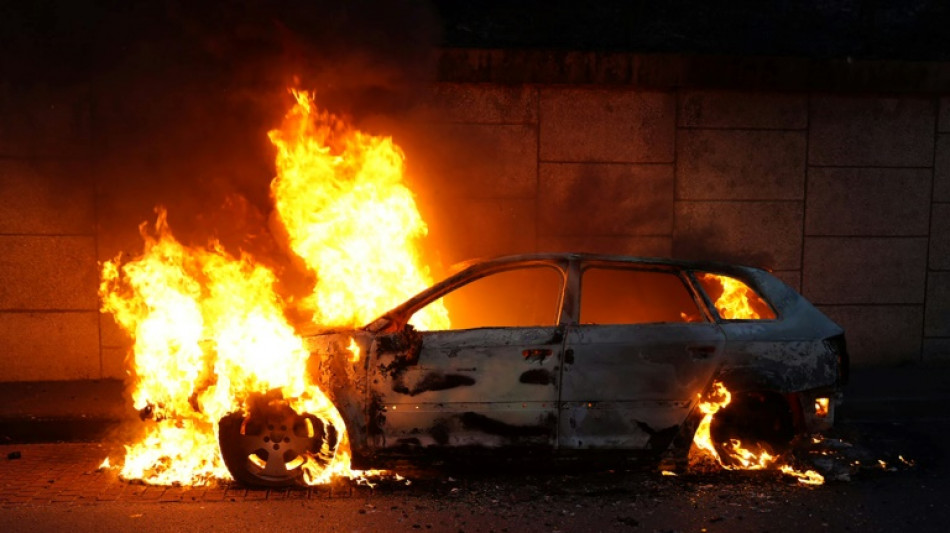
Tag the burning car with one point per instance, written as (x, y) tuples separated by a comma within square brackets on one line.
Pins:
[(559, 355)]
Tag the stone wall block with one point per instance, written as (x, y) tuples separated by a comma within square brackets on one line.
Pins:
[(480, 104), (938, 305), (879, 335), (470, 228), (740, 165), (114, 365), (763, 234), (942, 169), (940, 237), (722, 109), (40, 272), (640, 246), (864, 131), (593, 125), (864, 270), (943, 116), (49, 346), (867, 201), (46, 197), (41, 121), (599, 199), (474, 160), (792, 278), (936, 351)]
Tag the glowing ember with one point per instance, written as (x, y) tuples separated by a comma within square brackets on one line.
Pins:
[(209, 329), (735, 300), (740, 457), (821, 407)]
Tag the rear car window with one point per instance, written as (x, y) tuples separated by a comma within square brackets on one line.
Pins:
[(733, 299), (631, 296)]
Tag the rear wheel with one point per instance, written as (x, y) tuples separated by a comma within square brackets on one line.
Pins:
[(270, 446), (759, 420)]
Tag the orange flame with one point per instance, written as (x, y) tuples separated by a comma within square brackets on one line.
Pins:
[(737, 300), (740, 457), (209, 329), (340, 195)]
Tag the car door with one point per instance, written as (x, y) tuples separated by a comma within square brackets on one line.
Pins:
[(488, 382), (641, 350)]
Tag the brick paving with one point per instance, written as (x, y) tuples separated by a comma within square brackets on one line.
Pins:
[(69, 474)]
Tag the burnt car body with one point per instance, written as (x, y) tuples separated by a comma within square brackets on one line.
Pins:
[(574, 354)]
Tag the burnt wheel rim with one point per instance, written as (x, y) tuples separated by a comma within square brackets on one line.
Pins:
[(270, 449)]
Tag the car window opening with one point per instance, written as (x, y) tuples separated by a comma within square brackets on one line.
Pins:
[(733, 299), (522, 297), (630, 296)]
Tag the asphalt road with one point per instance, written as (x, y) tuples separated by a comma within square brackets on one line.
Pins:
[(893, 498)]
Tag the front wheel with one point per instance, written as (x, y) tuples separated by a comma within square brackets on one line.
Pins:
[(270, 446)]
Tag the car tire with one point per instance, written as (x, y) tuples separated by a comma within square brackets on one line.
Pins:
[(759, 420), (269, 448)]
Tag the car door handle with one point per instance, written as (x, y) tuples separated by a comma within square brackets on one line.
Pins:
[(536, 353), (701, 352)]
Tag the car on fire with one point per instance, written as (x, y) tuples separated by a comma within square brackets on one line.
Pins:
[(562, 355)]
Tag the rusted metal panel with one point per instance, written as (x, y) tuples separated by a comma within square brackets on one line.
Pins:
[(631, 386), (488, 387)]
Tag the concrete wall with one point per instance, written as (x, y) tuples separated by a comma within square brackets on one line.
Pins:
[(844, 194), (49, 319)]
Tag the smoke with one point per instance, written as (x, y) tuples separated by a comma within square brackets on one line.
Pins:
[(183, 93)]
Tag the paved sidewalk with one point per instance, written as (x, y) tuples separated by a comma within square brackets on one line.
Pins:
[(69, 473)]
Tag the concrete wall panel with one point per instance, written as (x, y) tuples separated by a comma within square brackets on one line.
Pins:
[(940, 237), (599, 199), (867, 201), (49, 346), (764, 234), (589, 125), (858, 131), (42, 121), (879, 335), (642, 246), (46, 197), (486, 228), (942, 169), (864, 270), (481, 161), (792, 278), (55, 273), (936, 351), (481, 104), (943, 117), (717, 109), (938, 305), (740, 165)]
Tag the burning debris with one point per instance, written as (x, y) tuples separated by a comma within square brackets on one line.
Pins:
[(733, 454)]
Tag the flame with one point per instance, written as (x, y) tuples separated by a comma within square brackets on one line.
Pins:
[(209, 329), (740, 457), (354, 350), (737, 300), (340, 195), (821, 407)]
